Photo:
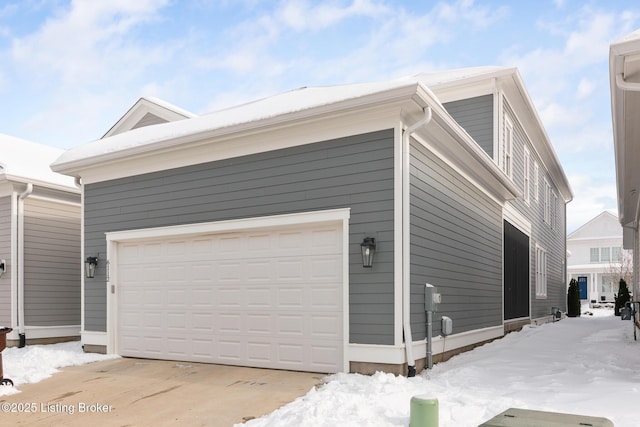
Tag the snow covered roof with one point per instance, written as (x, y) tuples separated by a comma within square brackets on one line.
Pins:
[(26, 161), (281, 105)]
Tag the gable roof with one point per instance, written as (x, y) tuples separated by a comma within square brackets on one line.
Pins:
[(602, 225), (148, 111), (307, 103), (26, 161)]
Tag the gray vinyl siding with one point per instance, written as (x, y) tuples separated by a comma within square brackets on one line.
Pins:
[(5, 253), (456, 245), (52, 263), (148, 120), (475, 115), (354, 172), (551, 239)]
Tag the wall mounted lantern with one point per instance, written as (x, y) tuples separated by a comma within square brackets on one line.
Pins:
[(90, 267), (368, 248), (3, 266)]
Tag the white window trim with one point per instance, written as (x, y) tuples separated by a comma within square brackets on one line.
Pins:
[(536, 181), (547, 202), (541, 272), (507, 148), (527, 176)]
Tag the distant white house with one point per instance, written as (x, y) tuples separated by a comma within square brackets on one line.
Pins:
[(596, 259)]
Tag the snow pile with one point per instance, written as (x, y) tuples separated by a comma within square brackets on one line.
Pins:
[(588, 366), (34, 363)]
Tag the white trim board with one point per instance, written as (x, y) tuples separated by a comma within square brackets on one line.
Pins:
[(395, 354)]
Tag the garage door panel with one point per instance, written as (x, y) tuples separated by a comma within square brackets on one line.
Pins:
[(259, 324), (290, 298), (258, 298), (270, 298), (291, 325)]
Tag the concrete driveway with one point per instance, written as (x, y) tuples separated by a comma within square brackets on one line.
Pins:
[(140, 392)]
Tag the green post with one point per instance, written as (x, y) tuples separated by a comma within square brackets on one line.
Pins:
[(424, 411)]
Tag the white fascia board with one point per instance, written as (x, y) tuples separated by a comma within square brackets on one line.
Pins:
[(252, 140), (348, 117), (40, 183), (479, 85)]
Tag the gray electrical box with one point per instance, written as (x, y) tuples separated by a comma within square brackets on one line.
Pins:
[(447, 325), (431, 298)]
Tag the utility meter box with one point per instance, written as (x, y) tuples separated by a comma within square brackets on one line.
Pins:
[(447, 325), (431, 298)]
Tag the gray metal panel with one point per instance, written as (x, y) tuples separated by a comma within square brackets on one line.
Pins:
[(5, 253), (456, 245), (553, 240), (354, 172), (475, 115), (52, 263)]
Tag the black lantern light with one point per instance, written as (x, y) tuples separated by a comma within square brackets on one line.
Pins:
[(90, 267), (368, 248)]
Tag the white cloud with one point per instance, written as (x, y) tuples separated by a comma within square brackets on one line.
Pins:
[(301, 15), (89, 39), (586, 87)]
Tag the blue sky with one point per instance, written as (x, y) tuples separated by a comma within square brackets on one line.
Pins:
[(70, 69)]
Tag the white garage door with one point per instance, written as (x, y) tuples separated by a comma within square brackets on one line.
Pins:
[(264, 298)]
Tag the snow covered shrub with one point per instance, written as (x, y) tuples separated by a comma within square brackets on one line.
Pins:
[(622, 297), (573, 299)]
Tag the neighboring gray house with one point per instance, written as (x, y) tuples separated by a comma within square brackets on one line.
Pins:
[(40, 292), (235, 237)]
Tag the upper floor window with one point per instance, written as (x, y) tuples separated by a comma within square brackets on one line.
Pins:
[(616, 254), (608, 254), (527, 176), (547, 202), (536, 181), (541, 272), (506, 155)]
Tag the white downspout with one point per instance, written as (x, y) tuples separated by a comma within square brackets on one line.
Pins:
[(20, 269), (406, 248)]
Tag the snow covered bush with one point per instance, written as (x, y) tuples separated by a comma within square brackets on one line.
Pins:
[(622, 297), (573, 299)]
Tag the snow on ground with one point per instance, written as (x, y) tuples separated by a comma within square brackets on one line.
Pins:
[(34, 363), (588, 365)]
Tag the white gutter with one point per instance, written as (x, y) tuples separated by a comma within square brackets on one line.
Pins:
[(406, 248), (625, 85), (20, 268)]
